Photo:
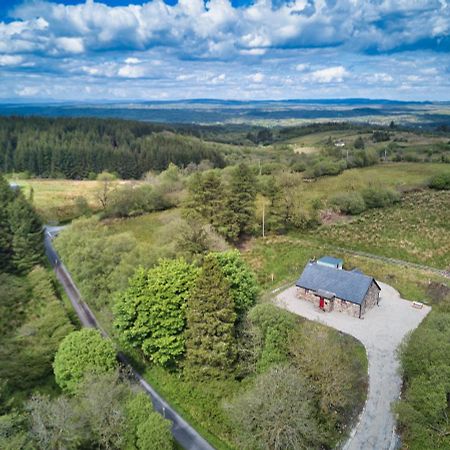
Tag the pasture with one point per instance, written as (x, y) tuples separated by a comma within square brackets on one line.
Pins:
[(416, 230)]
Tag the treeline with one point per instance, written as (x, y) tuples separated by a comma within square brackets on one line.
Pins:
[(77, 148), (21, 234)]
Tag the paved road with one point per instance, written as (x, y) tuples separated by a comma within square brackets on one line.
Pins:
[(182, 432), (381, 332)]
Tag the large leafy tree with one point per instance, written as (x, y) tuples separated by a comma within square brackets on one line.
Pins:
[(27, 235), (151, 313), (277, 412), (81, 353), (241, 281), (210, 342)]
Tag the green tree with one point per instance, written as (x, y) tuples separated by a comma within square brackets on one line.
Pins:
[(277, 413), (206, 197), (27, 235), (154, 434), (239, 212), (6, 197), (102, 397), (210, 343), (241, 280), (359, 143), (80, 353), (56, 424), (151, 315)]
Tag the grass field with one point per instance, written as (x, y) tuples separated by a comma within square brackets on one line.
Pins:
[(416, 230), (401, 176), (314, 142), (55, 199)]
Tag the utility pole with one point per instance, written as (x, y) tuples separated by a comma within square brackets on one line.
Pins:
[(263, 220)]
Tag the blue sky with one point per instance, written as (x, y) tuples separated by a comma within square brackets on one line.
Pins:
[(238, 49)]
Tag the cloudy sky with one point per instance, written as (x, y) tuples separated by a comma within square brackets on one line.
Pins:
[(231, 49)]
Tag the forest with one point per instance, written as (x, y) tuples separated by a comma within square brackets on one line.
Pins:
[(76, 148)]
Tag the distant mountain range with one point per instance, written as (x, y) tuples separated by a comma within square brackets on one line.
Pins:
[(261, 112)]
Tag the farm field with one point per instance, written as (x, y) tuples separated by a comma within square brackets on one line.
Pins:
[(416, 230), (56, 199), (402, 176), (314, 142)]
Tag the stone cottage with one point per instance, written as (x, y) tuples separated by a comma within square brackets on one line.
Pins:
[(331, 288)]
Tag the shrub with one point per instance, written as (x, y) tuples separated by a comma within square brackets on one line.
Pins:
[(349, 202), (440, 181), (327, 167), (378, 197), (129, 201)]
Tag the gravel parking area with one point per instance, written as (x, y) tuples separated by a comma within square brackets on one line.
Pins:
[(381, 331)]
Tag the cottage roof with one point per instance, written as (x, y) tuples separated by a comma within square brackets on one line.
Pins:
[(330, 260), (347, 285)]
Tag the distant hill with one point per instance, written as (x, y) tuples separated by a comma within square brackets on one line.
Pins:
[(267, 112)]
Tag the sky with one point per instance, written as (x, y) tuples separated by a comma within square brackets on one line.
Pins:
[(119, 50)]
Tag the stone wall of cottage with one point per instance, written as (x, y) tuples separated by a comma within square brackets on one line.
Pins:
[(330, 305), (347, 307), (371, 298)]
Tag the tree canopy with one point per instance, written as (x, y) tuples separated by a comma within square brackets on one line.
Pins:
[(81, 353), (151, 313)]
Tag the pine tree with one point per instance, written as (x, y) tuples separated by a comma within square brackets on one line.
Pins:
[(206, 197), (27, 240), (210, 343), (6, 197), (239, 213)]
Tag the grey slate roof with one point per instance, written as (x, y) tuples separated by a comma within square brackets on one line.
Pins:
[(347, 285)]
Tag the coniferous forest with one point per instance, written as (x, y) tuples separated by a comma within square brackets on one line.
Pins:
[(76, 148)]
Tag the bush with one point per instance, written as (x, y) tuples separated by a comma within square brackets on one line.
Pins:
[(440, 181), (378, 197), (129, 201), (80, 353), (349, 202), (326, 167)]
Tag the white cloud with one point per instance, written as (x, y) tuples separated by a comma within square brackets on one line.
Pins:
[(257, 77), (70, 45), (302, 67), (218, 79), (380, 77), (28, 91), (253, 51), (329, 75), (132, 60), (10, 60), (131, 71)]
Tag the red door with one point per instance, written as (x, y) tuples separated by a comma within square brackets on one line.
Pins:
[(321, 303)]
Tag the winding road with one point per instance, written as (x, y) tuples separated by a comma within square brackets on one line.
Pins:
[(185, 435), (381, 332)]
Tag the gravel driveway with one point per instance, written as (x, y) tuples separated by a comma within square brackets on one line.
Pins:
[(381, 332)]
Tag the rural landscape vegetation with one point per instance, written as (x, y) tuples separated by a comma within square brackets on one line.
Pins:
[(180, 222)]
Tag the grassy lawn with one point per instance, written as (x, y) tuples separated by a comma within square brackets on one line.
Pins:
[(416, 230)]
